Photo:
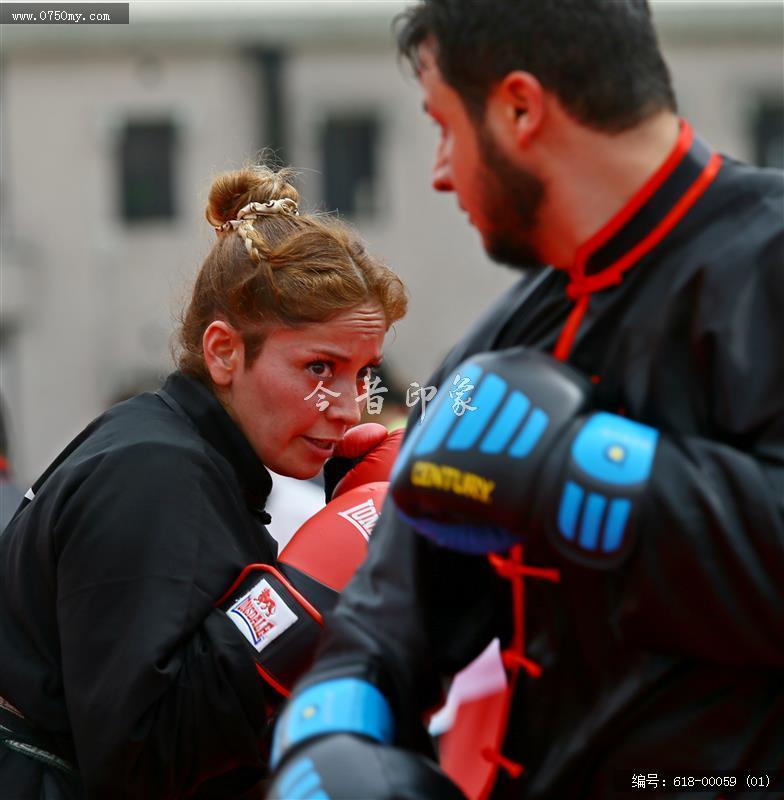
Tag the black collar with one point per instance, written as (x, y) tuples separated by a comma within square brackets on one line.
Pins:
[(219, 429)]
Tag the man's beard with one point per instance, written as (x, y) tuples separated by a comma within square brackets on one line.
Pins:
[(514, 197)]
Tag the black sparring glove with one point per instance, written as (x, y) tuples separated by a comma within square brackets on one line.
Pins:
[(346, 767), (332, 742), (526, 457)]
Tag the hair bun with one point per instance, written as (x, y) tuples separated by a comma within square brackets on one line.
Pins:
[(255, 184)]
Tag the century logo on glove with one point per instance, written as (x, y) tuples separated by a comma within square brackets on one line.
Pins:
[(450, 479)]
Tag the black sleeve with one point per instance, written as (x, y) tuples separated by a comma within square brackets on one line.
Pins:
[(161, 690), (413, 614), (707, 578)]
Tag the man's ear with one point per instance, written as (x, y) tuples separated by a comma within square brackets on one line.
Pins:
[(224, 352), (518, 107)]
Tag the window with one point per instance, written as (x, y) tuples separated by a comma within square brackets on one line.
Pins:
[(349, 158), (147, 171), (768, 133)]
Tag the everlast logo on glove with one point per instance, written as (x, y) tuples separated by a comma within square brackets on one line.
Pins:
[(449, 479)]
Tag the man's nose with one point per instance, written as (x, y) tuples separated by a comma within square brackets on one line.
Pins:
[(442, 173)]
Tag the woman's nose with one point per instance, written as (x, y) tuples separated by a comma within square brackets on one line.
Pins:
[(345, 408)]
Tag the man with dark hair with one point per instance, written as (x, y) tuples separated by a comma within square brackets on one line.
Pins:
[(612, 506), (600, 59)]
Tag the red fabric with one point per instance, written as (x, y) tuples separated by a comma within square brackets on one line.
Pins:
[(471, 751), (570, 328), (278, 687), (494, 757), (473, 733)]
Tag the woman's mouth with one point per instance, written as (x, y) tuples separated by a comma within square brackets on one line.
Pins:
[(322, 447)]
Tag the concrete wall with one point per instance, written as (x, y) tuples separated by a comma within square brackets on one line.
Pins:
[(88, 304), (93, 299)]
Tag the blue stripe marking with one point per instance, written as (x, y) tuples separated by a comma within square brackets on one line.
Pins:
[(301, 789), (431, 433), (302, 782), (571, 499), (487, 398), (615, 450), (341, 705), (592, 517), (615, 525), (506, 423), (530, 434)]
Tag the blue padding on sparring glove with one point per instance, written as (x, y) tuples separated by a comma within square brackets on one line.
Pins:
[(615, 450), (611, 459), (340, 705), (471, 539), (302, 782)]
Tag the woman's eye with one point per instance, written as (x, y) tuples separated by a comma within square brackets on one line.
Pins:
[(320, 368)]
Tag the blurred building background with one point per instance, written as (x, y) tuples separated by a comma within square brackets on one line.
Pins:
[(111, 136)]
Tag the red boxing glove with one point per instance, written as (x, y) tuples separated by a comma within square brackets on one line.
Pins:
[(361, 439), (279, 609), (364, 455), (330, 546)]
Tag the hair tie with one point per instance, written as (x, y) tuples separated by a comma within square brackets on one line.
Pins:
[(252, 211)]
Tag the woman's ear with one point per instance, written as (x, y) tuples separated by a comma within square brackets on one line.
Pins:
[(224, 352)]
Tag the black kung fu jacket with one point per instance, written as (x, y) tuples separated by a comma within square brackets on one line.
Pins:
[(111, 647), (673, 659)]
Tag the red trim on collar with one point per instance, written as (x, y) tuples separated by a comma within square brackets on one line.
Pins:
[(570, 328), (649, 188), (581, 287), (612, 274)]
